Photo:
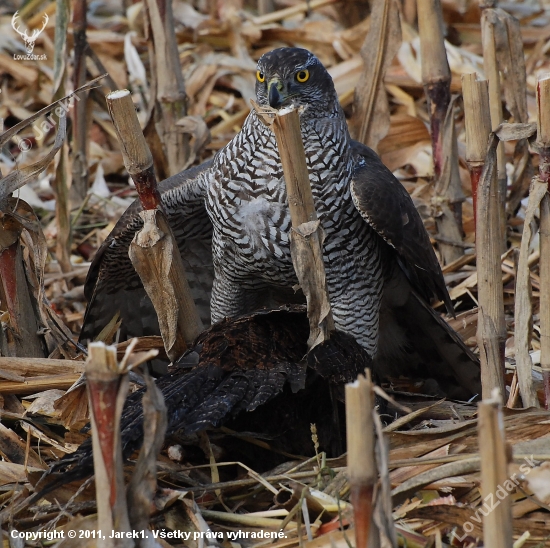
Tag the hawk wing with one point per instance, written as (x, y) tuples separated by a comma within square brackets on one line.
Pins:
[(387, 207), (113, 285)]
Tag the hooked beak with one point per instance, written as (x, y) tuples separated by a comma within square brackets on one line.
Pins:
[(275, 97)]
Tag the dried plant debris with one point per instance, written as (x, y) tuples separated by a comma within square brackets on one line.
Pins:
[(63, 186)]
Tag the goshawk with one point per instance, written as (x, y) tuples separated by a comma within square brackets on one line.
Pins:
[(231, 219)]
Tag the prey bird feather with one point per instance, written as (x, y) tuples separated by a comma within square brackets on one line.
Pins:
[(253, 363)]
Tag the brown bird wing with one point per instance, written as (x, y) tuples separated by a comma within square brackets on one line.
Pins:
[(387, 207), (255, 363), (113, 285)]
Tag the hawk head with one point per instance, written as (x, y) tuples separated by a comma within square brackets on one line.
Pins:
[(294, 76)]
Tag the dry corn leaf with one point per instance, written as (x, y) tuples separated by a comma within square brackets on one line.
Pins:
[(43, 403), (12, 473), (538, 481), (523, 307), (14, 449)]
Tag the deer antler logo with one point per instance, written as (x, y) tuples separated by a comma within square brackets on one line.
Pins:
[(29, 40)]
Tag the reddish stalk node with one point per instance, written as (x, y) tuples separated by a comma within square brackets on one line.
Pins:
[(361, 499), (7, 275), (146, 186), (439, 97)]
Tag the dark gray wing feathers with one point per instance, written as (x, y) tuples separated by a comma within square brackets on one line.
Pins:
[(113, 285), (387, 207)]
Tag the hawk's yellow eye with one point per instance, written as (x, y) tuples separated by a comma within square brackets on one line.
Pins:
[(302, 76), (260, 76)]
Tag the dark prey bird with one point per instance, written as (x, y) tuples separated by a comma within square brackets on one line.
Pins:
[(252, 363), (232, 222)]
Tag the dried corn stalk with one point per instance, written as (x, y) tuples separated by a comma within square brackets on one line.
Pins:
[(543, 144), (504, 64), (306, 237), (497, 523), (362, 470), (436, 77), (62, 180), (372, 115), (491, 333), (80, 122), (21, 286), (523, 310), (478, 127), (168, 89), (107, 382), (153, 251)]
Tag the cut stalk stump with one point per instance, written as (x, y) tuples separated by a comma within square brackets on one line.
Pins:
[(107, 385), (154, 251), (436, 77), (481, 163), (478, 127), (306, 235), (107, 391), (489, 19), (362, 470), (497, 524)]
